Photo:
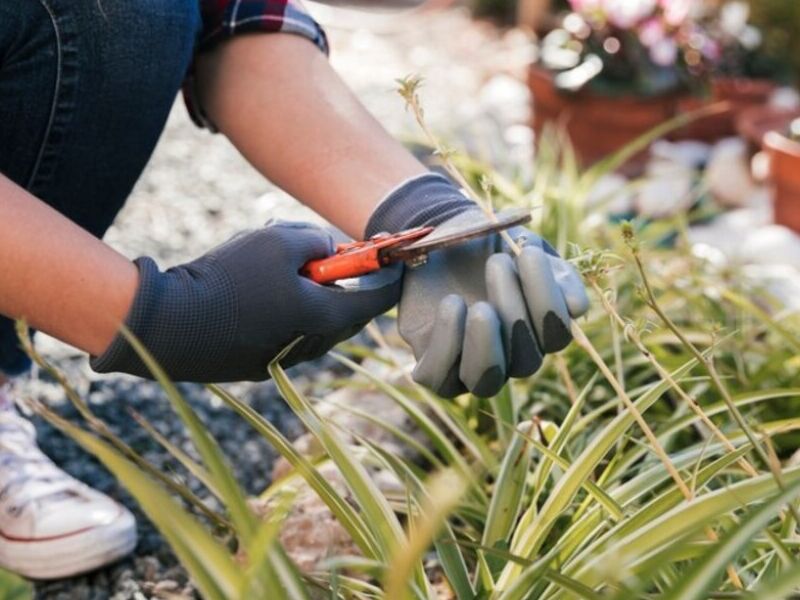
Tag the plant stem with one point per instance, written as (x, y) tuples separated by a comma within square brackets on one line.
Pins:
[(101, 429), (409, 91), (711, 369), (634, 337), (569, 384), (583, 342), (377, 336)]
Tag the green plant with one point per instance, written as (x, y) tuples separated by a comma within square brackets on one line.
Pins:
[(779, 21), (647, 459), (14, 588), (737, 45), (640, 47), (503, 11)]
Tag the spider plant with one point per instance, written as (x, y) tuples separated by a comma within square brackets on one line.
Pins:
[(647, 460)]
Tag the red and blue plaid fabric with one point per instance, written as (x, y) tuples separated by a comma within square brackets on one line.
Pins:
[(223, 19)]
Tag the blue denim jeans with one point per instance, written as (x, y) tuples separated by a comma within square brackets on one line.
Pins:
[(85, 90)]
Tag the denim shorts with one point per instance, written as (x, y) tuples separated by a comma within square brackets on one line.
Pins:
[(85, 90)]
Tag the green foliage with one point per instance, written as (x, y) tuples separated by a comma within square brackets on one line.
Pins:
[(552, 489), (503, 11), (779, 21), (14, 588)]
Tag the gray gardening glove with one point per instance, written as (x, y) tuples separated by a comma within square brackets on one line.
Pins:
[(475, 314), (224, 316)]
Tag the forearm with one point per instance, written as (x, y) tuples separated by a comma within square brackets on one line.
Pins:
[(280, 102), (61, 279)]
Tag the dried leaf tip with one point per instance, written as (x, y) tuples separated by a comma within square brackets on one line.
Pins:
[(408, 88)]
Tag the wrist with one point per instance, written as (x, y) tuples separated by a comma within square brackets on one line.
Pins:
[(429, 199), (170, 316)]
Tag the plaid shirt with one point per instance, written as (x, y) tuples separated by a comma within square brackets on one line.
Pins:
[(223, 19)]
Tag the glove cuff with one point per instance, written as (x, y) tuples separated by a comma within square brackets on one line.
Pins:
[(429, 199), (185, 317)]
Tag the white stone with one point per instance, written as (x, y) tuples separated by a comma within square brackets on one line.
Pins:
[(726, 232), (611, 195), (785, 98), (507, 97), (781, 282), (728, 174), (690, 153), (666, 189), (772, 245)]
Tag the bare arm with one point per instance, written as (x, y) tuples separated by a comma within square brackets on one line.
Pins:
[(281, 103), (60, 278), (293, 118)]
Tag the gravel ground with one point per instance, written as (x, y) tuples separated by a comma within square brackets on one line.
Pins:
[(197, 192), (153, 568)]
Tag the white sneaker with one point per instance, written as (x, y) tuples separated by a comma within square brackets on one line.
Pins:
[(52, 525)]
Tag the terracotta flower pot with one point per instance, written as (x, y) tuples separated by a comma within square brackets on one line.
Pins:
[(784, 155), (741, 93), (597, 125), (755, 122)]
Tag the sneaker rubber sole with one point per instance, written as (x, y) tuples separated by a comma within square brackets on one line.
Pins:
[(69, 554)]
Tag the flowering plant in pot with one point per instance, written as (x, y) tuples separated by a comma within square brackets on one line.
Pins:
[(745, 72), (617, 68)]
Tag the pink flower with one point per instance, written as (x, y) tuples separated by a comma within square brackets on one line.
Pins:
[(652, 32), (584, 6), (664, 53), (676, 11), (712, 50), (625, 14)]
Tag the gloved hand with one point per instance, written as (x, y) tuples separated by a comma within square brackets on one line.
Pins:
[(475, 314), (224, 316)]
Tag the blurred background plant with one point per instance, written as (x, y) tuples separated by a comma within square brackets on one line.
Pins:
[(502, 11), (779, 23), (740, 47), (643, 47)]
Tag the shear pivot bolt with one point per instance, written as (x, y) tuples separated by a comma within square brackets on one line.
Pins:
[(417, 261)]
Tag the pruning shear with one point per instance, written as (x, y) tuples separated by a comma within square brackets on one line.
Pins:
[(412, 246)]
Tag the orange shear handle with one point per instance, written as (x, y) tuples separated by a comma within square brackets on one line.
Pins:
[(359, 258), (343, 265)]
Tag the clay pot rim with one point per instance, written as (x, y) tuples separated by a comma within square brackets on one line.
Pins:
[(778, 142), (537, 70), (750, 122), (762, 84), (753, 86)]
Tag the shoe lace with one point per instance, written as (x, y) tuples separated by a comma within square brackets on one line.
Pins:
[(26, 474)]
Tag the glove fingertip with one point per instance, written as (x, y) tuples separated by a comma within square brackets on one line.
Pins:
[(448, 386), (577, 302), (490, 383), (525, 356)]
